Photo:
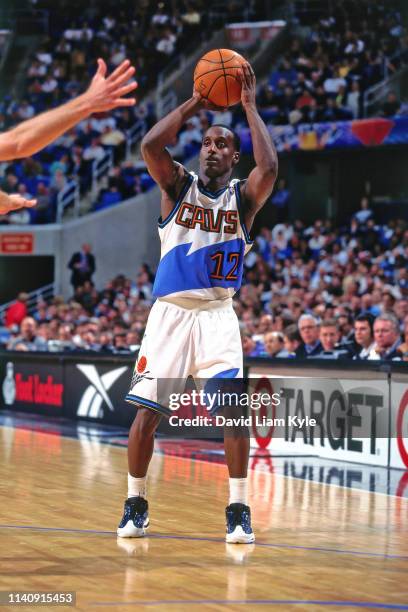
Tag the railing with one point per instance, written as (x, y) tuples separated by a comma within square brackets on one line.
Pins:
[(134, 135), (376, 94), (42, 293), (166, 103), (68, 196), (99, 168), (6, 38)]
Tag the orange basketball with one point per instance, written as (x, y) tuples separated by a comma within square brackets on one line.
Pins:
[(216, 77)]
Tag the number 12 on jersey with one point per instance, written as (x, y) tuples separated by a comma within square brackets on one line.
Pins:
[(225, 266)]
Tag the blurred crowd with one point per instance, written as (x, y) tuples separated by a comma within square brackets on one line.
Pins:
[(70, 158), (324, 74), (149, 33), (322, 77), (309, 291)]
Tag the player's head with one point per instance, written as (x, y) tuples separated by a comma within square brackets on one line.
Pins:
[(220, 151)]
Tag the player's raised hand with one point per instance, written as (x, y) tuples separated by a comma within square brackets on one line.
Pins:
[(106, 93), (204, 103), (248, 85), (8, 203)]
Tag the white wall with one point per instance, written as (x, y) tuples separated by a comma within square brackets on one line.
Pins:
[(122, 237)]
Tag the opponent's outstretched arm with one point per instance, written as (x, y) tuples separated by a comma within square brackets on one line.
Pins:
[(259, 184), (103, 94)]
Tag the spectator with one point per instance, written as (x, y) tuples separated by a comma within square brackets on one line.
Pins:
[(17, 311), (329, 337), (25, 110), (190, 136), (387, 338), (166, 45), (353, 100), (133, 340), (119, 343), (249, 346), (333, 83), (291, 339), (365, 211), (274, 344), (316, 243), (94, 151), (391, 106), (9, 183), (403, 348), (82, 265), (363, 335), (43, 209), (280, 199), (309, 333), (28, 340)]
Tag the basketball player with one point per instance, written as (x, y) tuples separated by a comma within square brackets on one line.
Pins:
[(192, 328), (29, 137)]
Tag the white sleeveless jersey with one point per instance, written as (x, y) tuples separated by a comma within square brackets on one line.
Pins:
[(203, 243)]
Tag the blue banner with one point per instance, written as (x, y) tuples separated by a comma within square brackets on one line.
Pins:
[(334, 135)]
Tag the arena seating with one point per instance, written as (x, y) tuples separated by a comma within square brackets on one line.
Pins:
[(322, 270)]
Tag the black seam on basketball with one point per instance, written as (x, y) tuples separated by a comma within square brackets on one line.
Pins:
[(204, 59), (215, 70), (212, 85), (229, 60), (225, 77)]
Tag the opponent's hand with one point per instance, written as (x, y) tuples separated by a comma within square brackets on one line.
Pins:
[(8, 203), (106, 93), (248, 83)]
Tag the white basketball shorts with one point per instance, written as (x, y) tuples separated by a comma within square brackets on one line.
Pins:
[(179, 342)]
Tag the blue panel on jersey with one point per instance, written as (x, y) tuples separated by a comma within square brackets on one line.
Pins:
[(179, 271), (226, 374)]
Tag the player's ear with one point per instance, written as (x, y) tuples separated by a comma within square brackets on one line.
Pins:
[(236, 157)]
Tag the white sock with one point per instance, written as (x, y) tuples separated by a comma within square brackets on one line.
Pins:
[(136, 486), (238, 488)]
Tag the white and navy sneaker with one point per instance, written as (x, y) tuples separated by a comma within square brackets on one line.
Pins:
[(239, 530), (135, 518)]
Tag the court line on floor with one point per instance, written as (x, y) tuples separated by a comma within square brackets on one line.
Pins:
[(311, 602), (161, 536)]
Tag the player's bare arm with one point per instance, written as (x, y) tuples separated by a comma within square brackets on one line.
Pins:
[(104, 94), (258, 187), (168, 174)]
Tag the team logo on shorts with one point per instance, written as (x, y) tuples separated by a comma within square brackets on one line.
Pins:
[(140, 371)]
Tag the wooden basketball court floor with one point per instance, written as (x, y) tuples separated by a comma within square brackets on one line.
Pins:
[(319, 547)]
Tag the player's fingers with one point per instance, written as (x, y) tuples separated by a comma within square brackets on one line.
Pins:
[(19, 202), (241, 77), (119, 70), (124, 102), (245, 75), (101, 67), (120, 80), (122, 91), (249, 74), (252, 73)]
